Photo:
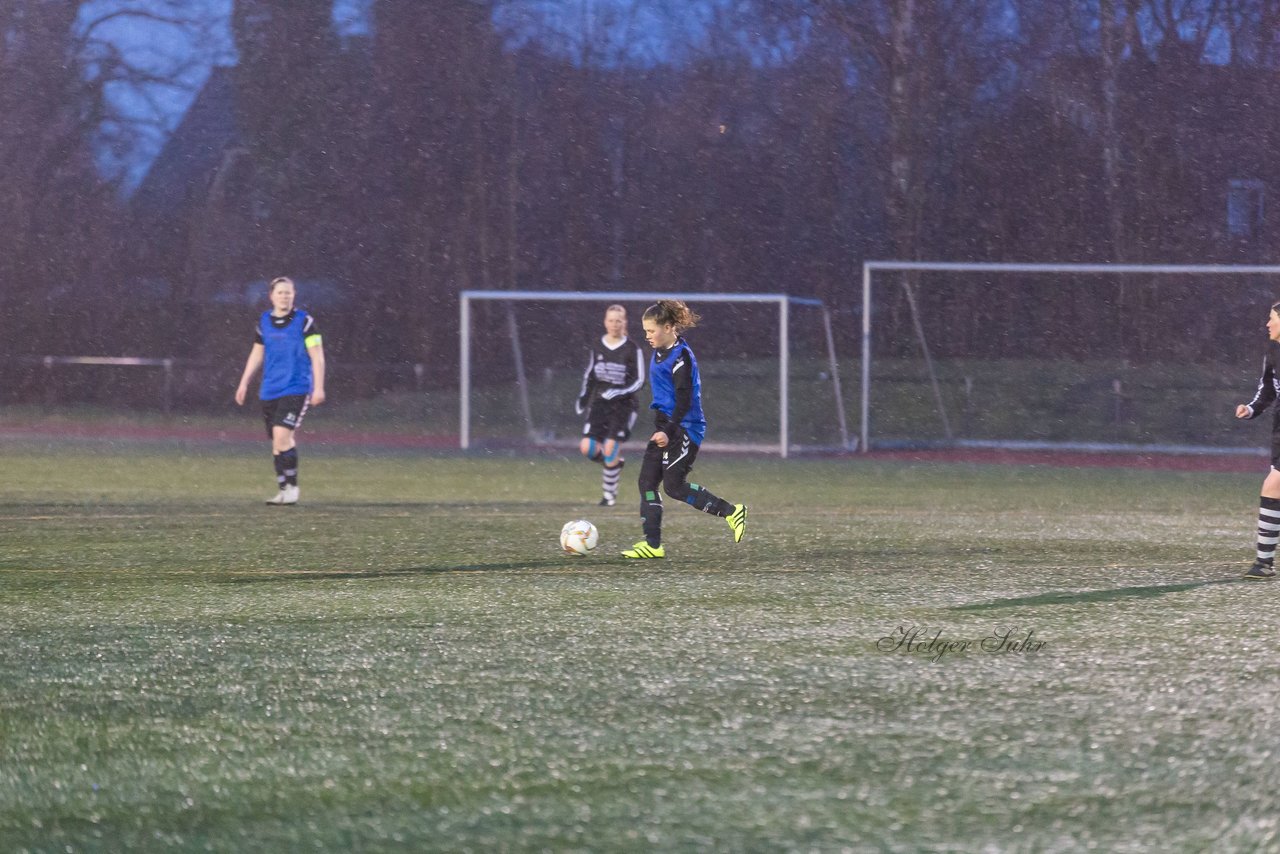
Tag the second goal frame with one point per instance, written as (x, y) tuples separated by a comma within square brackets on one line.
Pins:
[(869, 268)]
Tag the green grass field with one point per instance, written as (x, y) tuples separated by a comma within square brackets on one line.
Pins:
[(406, 662)]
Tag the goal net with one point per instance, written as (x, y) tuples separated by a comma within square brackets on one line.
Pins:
[(770, 376), (1135, 357)]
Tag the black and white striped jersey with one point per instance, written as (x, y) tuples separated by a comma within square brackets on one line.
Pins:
[(1268, 384), (613, 373)]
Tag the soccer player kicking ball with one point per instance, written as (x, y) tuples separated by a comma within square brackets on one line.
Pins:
[(1269, 511), (287, 347), (677, 397)]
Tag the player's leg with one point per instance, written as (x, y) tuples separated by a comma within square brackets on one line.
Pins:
[(598, 446), (676, 483), (650, 505), (590, 446), (622, 419), (1268, 527), (594, 431), (291, 420), (611, 472), (284, 453), (283, 441), (269, 421), (287, 415)]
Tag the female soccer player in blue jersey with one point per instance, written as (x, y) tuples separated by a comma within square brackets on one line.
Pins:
[(1269, 503), (287, 347), (680, 428)]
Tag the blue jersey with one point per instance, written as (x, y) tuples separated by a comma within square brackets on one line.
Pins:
[(286, 366), (677, 390)]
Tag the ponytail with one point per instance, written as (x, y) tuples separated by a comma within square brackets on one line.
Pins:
[(672, 312)]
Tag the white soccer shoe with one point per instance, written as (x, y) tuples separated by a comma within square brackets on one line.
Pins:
[(287, 495)]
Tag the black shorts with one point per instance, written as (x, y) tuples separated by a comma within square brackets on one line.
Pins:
[(1275, 448), (610, 419), (285, 411), (669, 466)]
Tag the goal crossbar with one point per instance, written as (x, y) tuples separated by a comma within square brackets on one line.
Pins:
[(870, 267), (782, 301)]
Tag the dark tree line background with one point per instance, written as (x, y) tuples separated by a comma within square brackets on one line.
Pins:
[(460, 144)]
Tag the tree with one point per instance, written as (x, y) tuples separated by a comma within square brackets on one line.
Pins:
[(440, 128), (285, 79), (56, 212)]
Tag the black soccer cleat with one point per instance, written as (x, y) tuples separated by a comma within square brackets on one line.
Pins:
[(608, 501), (1260, 571)]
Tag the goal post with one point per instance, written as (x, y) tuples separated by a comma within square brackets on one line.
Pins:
[(781, 304), (166, 366), (871, 271)]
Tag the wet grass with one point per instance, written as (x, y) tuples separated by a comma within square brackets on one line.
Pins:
[(898, 658)]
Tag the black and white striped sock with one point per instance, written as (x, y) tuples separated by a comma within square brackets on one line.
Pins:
[(609, 479), (289, 466), (1268, 528)]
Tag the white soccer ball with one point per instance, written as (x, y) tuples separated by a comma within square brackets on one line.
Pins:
[(579, 537)]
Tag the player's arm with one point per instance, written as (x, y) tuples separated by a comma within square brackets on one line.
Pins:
[(251, 366), (682, 381), (1264, 396), (315, 350), (588, 384)]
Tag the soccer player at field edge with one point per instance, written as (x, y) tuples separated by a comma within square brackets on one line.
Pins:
[(287, 346), (1269, 509), (615, 372), (680, 429)]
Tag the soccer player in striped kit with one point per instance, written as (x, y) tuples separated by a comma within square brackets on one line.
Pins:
[(680, 428), (288, 348), (1269, 509), (615, 372)]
